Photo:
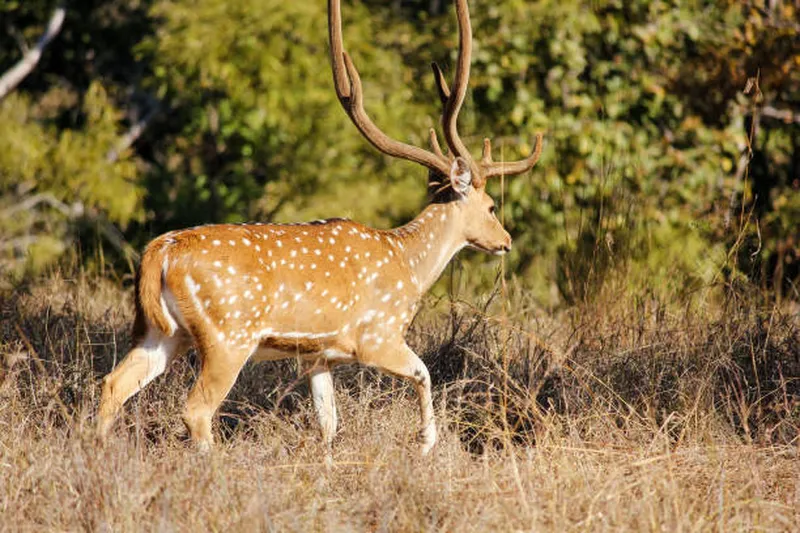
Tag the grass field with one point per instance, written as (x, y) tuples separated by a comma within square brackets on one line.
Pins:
[(631, 413)]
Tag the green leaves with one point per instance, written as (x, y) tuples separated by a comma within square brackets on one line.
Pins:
[(62, 175), (642, 106)]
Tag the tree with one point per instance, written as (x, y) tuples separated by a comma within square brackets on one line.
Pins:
[(657, 160)]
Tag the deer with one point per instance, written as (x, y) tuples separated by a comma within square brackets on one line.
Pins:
[(326, 292)]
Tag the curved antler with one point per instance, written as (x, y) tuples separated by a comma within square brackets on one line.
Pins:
[(349, 91), (490, 169), (455, 98), (350, 94)]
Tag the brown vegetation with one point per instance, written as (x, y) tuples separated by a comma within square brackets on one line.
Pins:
[(627, 413)]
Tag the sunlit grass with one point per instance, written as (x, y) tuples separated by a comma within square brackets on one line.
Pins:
[(624, 413)]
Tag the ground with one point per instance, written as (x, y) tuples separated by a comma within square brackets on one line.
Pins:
[(623, 414)]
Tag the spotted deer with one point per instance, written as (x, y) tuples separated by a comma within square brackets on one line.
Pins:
[(326, 292)]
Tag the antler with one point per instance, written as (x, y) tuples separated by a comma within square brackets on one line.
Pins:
[(490, 169), (455, 99), (349, 91)]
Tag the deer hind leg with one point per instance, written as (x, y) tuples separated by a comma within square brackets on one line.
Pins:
[(220, 367), (402, 362), (324, 399), (145, 362)]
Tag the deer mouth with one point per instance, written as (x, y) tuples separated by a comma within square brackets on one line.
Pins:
[(498, 250)]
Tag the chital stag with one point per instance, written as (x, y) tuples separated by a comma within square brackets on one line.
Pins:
[(328, 292)]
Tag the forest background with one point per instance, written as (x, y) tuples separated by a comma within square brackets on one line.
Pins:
[(672, 130)]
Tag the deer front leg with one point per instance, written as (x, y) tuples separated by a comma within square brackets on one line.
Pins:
[(404, 363), (322, 394)]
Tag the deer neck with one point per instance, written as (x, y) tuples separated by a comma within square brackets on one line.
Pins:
[(430, 241)]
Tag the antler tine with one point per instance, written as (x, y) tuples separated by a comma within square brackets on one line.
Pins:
[(486, 158), (491, 169), (340, 80), (350, 93), (435, 144), (441, 84), (456, 98)]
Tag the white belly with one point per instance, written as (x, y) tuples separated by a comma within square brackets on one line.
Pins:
[(270, 354)]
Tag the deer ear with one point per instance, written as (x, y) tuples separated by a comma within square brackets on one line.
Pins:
[(460, 175)]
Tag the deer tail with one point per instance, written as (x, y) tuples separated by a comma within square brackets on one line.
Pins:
[(150, 281)]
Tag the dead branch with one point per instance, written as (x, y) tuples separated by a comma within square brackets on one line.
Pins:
[(19, 244), (25, 66), (786, 115), (115, 237), (132, 135), (43, 198)]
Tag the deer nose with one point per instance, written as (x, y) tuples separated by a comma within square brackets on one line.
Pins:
[(507, 245)]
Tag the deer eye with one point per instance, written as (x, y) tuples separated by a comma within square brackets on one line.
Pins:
[(492, 209)]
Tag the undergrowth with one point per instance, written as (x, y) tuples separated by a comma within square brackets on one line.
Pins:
[(631, 412)]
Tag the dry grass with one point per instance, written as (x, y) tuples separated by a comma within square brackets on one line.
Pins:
[(628, 414)]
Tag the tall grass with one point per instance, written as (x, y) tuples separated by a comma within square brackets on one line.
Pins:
[(629, 412)]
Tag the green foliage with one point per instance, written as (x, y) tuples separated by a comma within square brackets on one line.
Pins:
[(660, 154), (52, 178), (638, 115), (261, 131)]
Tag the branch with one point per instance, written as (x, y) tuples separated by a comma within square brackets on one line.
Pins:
[(786, 115), (745, 154), (132, 135), (25, 66), (23, 46), (19, 244), (114, 236), (72, 213), (43, 198)]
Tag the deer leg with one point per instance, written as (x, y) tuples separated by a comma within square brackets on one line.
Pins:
[(404, 363), (140, 366), (321, 382), (220, 368)]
